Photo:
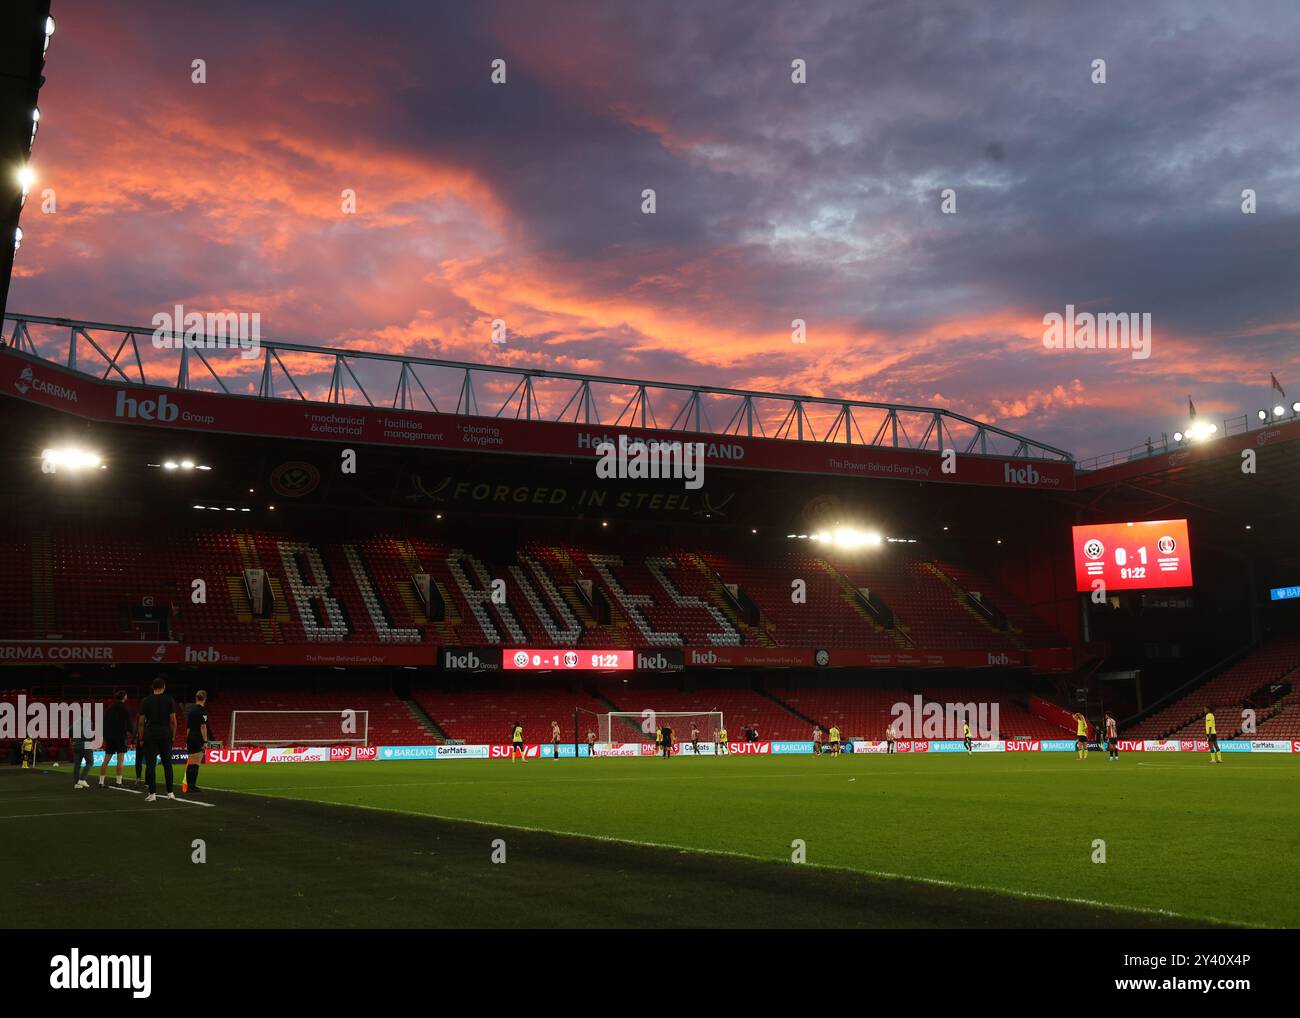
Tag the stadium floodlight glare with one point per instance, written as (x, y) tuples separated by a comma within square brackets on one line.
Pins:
[(848, 537), (1262, 414), (18, 237), (171, 465), (36, 121), (69, 459), (1178, 436), (26, 178), (1279, 410), (1295, 407), (1198, 431)]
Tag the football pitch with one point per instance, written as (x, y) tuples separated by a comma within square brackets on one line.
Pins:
[(942, 841)]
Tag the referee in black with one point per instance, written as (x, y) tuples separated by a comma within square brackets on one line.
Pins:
[(155, 733), (197, 719)]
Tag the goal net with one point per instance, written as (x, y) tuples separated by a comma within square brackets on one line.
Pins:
[(299, 727), (620, 727)]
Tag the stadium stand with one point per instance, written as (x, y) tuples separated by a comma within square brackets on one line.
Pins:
[(836, 622), (487, 715), (1023, 625), (79, 582), (866, 713), (1243, 684), (1281, 721)]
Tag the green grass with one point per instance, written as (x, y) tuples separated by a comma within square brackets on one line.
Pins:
[(1186, 843), (1219, 842)]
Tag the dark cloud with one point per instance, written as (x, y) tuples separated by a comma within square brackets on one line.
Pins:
[(775, 200)]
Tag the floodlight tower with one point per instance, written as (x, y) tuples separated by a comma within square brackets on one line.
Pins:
[(26, 29)]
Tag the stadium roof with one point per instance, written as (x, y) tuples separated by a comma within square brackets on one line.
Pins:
[(279, 371), (1201, 480), (1249, 479)]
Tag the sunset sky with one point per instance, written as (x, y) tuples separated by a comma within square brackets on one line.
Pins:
[(775, 200)]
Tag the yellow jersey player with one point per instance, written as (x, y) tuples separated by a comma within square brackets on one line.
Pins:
[(1212, 736), (517, 741), (722, 742), (965, 736), (1081, 740), (835, 740)]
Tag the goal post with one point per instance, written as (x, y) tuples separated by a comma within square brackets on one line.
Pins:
[(299, 727), (621, 727)]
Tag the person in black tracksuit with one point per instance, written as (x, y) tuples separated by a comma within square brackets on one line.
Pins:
[(156, 729), (117, 722)]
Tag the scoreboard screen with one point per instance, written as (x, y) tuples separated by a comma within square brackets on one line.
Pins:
[(1132, 556), (567, 659)]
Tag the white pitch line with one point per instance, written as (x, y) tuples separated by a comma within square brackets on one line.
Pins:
[(190, 802), (122, 788)]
